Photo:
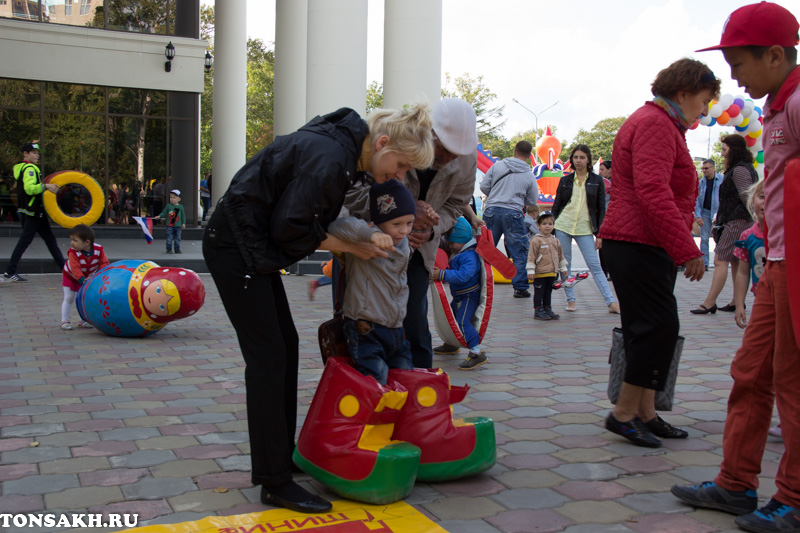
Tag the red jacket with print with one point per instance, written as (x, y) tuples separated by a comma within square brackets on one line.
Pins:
[(655, 185)]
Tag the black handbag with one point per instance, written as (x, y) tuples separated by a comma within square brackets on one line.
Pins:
[(616, 374), (716, 232), (332, 341)]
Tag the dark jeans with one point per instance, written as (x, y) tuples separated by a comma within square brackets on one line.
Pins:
[(415, 324), (644, 278), (173, 236), (31, 225), (260, 314), (206, 205), (375, 348), (542, 291), (511, 225)]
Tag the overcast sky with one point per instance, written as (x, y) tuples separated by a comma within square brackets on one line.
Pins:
[(595, 58)]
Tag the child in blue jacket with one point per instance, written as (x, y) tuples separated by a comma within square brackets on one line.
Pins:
[(464, 277)]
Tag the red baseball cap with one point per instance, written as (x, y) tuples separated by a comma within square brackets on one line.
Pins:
[(762, 24)]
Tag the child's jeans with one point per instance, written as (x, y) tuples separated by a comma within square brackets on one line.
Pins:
[(464, 306), (375, 348), (173, 235), (542, 291)]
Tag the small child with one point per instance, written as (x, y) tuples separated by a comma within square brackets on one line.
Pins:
[(464, 276), (531, 213), (376, 295), (545, 259), (84, 258), (176, 220), (750, 249)]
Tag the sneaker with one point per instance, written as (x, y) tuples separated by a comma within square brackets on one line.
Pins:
[(613, 308), (168, 251), (473, 360), (446, 349), (178, 252), (521, 294), (775, 516), (541, 314), (571, 307), (776, 431), (634, 430), (14, 278), (549, 311), (711, 496), (66, 326), (85, 325)]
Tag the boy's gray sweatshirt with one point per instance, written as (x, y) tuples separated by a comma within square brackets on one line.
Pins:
[(377, 289), (514, 191)]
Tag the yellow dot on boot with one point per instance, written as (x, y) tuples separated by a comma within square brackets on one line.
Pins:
[(426, 396), (349, 405)]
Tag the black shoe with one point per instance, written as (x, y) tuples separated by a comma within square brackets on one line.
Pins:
[(294, 497), (522, 294), (549, 311), (703, 310), (774, 517), (711, 496), (541, 314), (730, 308), (634, 430), (446, 349), (665, 430)]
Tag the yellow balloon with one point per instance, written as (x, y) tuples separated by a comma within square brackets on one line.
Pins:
[(744, 122), (755, 164), (755, 134)]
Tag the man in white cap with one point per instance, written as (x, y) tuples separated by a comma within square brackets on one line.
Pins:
[(442, 192)]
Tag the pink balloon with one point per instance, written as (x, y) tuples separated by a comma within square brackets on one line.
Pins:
[(734, 110), (694, 126)]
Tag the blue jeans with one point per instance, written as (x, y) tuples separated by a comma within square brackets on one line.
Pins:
[(464, 306), (705, 234), (511, 224), (586, 246), (375, 348), (173, 236), (206, 205)]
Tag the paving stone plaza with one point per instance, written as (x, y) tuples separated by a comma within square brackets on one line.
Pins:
[(155, 426)]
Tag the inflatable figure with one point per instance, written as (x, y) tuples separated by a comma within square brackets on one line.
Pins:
[(346, 441), (138, 298)]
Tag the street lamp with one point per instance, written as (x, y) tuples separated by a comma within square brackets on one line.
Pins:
[(536, 131)]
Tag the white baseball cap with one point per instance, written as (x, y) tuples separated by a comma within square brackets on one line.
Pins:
[(176, 192), (455, 123)]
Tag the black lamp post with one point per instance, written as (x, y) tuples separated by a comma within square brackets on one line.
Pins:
[(170, 53), (209, 61)]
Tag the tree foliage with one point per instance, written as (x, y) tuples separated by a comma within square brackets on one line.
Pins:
[(600, 139), (475, 93), (374, 96)]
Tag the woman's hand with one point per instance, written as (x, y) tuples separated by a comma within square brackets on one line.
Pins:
[(695, 268), (741, 317), (598, 243)]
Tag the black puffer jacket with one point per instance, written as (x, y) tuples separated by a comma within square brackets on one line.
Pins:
[(280, 203), (595, 198)]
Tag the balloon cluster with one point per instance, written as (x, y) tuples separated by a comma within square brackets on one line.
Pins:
[(743, 115)]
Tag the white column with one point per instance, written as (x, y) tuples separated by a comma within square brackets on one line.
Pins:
[(412, 52), (337, 56), (230, 93), (291, 44)]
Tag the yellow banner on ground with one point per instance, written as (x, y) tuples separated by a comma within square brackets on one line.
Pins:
[(345, 517)]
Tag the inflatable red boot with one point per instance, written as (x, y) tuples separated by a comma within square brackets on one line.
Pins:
[(451, 449), (346, 441)]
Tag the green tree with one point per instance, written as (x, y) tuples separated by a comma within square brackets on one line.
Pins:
[(260, 95), (600, 138), (481, 98), (374, 96)]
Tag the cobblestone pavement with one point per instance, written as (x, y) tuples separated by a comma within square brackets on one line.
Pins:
[(153, 426)]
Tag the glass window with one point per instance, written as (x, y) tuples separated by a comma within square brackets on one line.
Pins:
[(69, 97), (137, 102), (85, 7), (19, 93), (87, 13), (74, 142), (22, 9), (137, 16), (19, 127)]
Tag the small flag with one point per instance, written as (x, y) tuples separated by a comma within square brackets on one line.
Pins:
[(147, 227)]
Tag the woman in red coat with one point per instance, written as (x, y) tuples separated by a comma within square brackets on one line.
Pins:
[(647, 234)]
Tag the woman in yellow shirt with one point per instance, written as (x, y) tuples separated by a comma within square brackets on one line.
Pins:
[(579, 208)]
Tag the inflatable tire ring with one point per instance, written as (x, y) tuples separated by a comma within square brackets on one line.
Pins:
[(66, 177)]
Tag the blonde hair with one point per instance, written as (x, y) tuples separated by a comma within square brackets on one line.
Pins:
[(410, 132), (532, 209), (174, 303), (754, 190)]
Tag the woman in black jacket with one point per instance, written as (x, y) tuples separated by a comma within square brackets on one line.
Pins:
[(275, 212), (579, 208)]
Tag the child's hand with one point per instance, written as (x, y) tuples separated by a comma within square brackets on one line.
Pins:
[(741, 317), (436, 271), (530, 277), (183, 226), (382, 241), (156, 218)]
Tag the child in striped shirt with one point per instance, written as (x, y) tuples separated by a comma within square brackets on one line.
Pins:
[(84, 258)]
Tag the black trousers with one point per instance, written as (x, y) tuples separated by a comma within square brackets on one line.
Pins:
[(542, 292), (31, 225), (644, 279), (418, 331), (260, 314)]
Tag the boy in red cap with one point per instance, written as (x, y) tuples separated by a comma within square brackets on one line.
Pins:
[(758, 42)]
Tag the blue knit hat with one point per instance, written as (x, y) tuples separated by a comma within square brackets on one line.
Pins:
[(390, 200), (461, 232)]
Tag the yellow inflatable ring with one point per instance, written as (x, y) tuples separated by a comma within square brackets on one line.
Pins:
[(66, 177)]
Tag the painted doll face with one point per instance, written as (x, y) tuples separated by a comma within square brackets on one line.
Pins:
[(155, 299)]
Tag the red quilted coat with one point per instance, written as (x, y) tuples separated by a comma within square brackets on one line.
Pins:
[(655, 185)]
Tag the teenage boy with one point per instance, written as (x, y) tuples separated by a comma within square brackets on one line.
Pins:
[(758, 42), (30, 191)]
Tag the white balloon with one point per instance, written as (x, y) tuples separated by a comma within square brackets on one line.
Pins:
[(725, 101), (747, 110), (715, 111), (706, 120), (735, 121), (758, 145), (753, 126)]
